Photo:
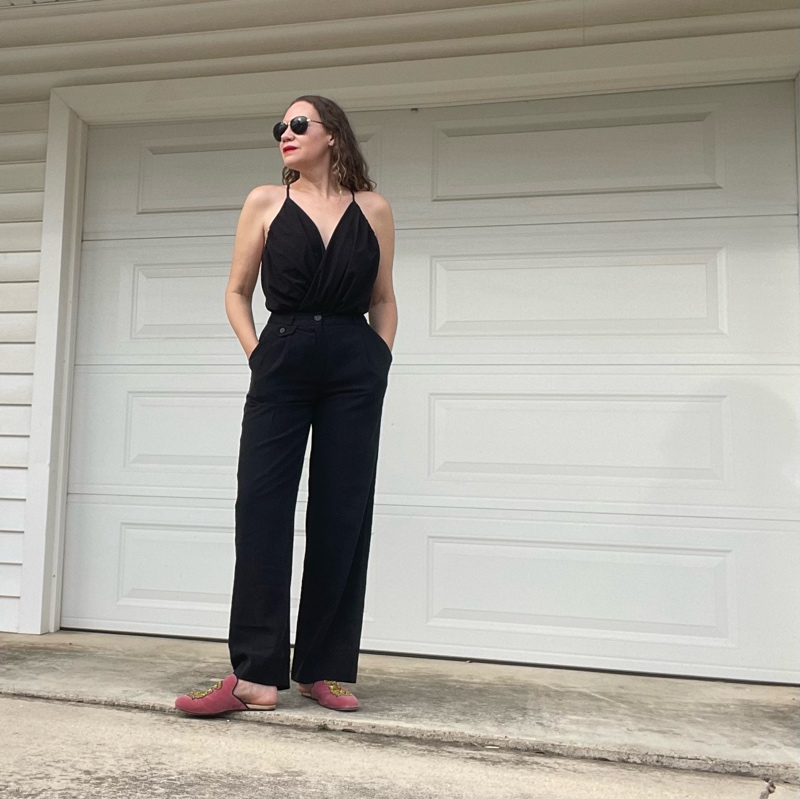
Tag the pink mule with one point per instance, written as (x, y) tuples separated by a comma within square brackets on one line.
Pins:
[(330, 694), (217, 699)]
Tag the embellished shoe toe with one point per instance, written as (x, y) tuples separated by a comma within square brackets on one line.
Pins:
[(330, 694), (215, 700)]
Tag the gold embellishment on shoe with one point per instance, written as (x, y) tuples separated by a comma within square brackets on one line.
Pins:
[(336, 688), (200, 694)]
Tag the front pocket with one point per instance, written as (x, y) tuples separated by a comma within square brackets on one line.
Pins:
[(381, 341), (255, 349), (253, 352)]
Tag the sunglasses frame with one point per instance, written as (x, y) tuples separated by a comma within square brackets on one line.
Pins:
[(301, 121)]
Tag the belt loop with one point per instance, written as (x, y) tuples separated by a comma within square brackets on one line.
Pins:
[(291, 319)]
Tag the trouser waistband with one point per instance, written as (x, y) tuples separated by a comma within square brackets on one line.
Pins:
[(315, 317)]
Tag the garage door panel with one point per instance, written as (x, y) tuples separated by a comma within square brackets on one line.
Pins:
[(168, 433), (188, 178), (676, 153), (679, 153), (647, 292), (526, 587), (155, 430), (163, 567), (151, 301), (149, 565), (662, 149), (685, 443), (682, 595), (669, 291)]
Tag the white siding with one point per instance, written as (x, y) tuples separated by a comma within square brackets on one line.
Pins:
[(23, 141)]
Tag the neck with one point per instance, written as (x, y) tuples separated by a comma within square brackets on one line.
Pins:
[(319, 184)]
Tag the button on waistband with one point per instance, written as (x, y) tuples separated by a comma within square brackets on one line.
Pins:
[(317, 316)]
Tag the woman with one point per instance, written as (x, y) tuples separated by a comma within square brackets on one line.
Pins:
[(325, 242)]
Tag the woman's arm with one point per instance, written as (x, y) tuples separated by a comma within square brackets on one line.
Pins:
[(247, 249), (383, 306)]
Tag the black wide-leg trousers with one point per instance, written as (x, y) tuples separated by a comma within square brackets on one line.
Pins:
[(327, 373)]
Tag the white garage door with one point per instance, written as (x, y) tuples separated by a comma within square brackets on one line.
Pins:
[(590, 439)]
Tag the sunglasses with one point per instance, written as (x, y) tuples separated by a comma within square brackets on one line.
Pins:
[(298, 125)]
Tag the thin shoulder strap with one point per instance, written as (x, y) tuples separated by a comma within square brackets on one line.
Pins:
[(354, 195)]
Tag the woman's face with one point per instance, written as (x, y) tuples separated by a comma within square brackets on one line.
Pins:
[(309, 147)]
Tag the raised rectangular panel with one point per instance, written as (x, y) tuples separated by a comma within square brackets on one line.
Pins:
[(161, 179), (178, 301), (627, 293), (164, 432), (155, 568), (198, 173), (646, 592), (163, 566), (631, 150), (673, 291), (679, 441), (145, 565), (181, 430), (528, 586), (672, 154), (581, 438), (184, 178), (158, 301), (205, 173)]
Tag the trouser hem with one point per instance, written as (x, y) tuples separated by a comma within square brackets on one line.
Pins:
[(262, 676)]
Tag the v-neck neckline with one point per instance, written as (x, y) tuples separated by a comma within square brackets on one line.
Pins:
[(325, 247)]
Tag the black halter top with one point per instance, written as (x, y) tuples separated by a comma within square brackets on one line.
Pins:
[(298, 273)]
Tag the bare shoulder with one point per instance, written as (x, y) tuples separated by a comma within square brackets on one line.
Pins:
[(376, 208), (261, 206), (262, 197), (373, 201)]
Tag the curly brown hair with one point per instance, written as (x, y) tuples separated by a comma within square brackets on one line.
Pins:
[(348, 163)]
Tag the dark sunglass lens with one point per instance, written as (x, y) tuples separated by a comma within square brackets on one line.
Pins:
[(299, 124), (278, 130)]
